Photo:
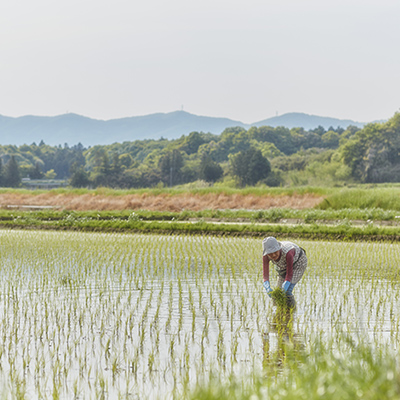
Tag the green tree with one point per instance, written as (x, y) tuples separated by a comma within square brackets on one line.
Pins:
[(170, 166), (111, 174), (250, 167), (231, 141), (126, 160), (281, 137), (12, 176), (50, 174), (330, 140), (373, 153), (35, 172), (1, 173), (102, 174), (319, 130), (192, 143), (210, 171), (80, 178), (116, 166)]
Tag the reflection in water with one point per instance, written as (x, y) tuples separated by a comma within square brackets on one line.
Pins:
[(281, 339)]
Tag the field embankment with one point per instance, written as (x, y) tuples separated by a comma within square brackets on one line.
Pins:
[(333, 214)]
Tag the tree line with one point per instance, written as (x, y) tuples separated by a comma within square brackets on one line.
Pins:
[(259, 155)]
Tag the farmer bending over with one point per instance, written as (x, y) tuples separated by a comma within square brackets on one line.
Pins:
[(290, 262)]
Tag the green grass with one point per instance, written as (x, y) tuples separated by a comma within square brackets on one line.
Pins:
[(272, 215), (176, 190), (385, 198), (308, 223)]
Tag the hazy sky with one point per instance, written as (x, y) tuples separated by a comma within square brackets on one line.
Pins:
[(246, 60)]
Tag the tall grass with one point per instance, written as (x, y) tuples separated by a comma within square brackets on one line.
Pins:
[(379, 197), (163, 200)]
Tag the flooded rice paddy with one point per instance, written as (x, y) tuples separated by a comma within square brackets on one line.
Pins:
[(91, 316)]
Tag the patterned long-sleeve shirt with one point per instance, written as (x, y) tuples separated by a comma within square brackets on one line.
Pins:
[(289, 265)]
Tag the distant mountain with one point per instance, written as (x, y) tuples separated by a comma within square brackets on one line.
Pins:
[(306, 121), (73, 128)]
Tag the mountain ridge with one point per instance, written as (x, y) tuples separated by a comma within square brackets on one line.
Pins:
[(74, 128)]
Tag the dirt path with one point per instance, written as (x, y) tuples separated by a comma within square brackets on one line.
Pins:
[(163, 202)]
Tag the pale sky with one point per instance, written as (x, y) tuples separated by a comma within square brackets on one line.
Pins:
[(245, 60)]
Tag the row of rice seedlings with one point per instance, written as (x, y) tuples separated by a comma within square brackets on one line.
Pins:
[(115, 315)]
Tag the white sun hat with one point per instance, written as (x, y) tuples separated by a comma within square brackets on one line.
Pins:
[(270, 245)]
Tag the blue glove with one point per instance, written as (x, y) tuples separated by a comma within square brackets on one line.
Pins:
[(267, 287), (286, 286)]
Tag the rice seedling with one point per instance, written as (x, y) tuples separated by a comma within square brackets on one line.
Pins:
[(279, 297), (90, 315)]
